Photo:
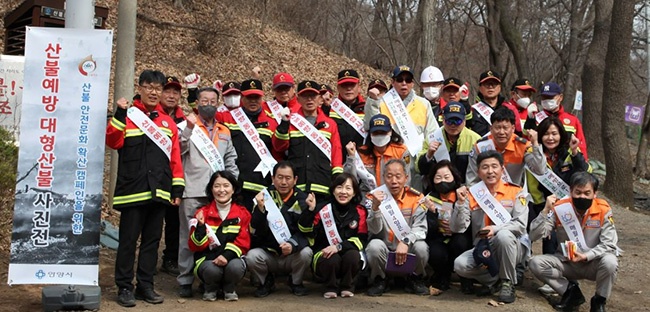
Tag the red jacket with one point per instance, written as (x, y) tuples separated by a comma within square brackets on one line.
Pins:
[(521, 113), (292, 104), (515, 109), (233, 233), (178, 116)]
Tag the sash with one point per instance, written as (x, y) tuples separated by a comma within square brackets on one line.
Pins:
[(490, 205), (150, 129), (275, 108), (222, 108), (442, 152), (330, 225), (277, 224), (444, 211), (266, 160), (349, 116), (403, 122), (363, 174), (552, 182), (488, 145), (571, 225), (306, 128), (392, 214), (207, 149), (484, 110), (212, 237), (539, 117)]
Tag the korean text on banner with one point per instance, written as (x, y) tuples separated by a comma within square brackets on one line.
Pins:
[(11, 92)]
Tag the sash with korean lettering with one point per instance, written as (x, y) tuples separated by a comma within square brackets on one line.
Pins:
[(274, 218), (539, 117), (327, 218), (444, 213), (307, 129), (363, 174), (246, 126), (150, 129), (403, 122), (213, 241), (442, 152), (485, 111), (571, 225), (490, 205), (349, 116), (552, 182), (392, 214), (205, 146), (488, 145), (275, 108)]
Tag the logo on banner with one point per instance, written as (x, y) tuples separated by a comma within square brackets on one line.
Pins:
[(567, 217), (87, 66)]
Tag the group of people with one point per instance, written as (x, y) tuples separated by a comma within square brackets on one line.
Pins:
[(390, 188)]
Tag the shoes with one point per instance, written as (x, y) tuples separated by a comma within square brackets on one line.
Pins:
[(439, 282), (170, 267), (507, 293), (520, 274), (488, 291), (266, 288), (231, 296), (378, 288), (210, 296), (466, 286), (597, 304), (415, 285), (571, 299), (347, 294), (148, 295), (546, 290), (329, 295), (299, 289), (125, 298), (185, 291)]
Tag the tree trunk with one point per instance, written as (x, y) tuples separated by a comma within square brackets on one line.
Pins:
[(641, 168), (592, 79), (619, 180), (513, 39), (494, 39), (571, 62), (428, 37), (373, 55)]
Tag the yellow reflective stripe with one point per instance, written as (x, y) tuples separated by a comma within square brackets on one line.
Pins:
[(232, 247), (178, 181), (197, 264), (253, 186), (133, 132), (333, 114), (336, 170), (569, 128), (320, 188), (125, 199), (281, 136), (469, 116), (168, 132), (356, 241), (326, 134), (117, 124), (232, 126), (305, 229), (298, 134), (264, 131), (163, 194), (315, 259), (231, 229), (198, 242)]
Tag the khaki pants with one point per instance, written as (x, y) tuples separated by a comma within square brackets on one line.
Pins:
[(377, 254)]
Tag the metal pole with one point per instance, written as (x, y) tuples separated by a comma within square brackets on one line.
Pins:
[(80, 14), (124, 67)]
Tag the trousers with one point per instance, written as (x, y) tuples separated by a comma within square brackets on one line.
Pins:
[(227, 277), (185, 256), (377, 254), (261, 262), (339, 270)]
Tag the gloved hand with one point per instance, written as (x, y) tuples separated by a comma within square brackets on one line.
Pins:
[(285, 113), (217, 84), (256, 71), (192, 80), (532, 110), (464, 92)]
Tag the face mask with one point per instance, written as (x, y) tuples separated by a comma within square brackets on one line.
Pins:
[(232, 101), (207, 111), (431, 93), (380, 139), (582, 204), (523, 102), (549, 105), (444, 187)]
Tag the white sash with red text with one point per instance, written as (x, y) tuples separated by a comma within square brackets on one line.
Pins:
[(209, 152), (327, 218), (266, 160), (150, 129), (403, 122), (349, 116), (392, 214), (485, 111), (539, 117), (275, 108), (309, 131), (363, 174), (213, 241)]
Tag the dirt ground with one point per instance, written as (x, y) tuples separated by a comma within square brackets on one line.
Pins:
[(631, 292)]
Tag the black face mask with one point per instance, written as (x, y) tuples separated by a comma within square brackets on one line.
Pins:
[(582, 204), (445, 187), (207, 111)]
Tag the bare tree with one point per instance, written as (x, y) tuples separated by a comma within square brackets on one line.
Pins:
[(427, 10), (512, 37)]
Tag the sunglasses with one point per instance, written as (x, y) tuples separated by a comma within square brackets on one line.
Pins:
[(453, 122), (403, 79)]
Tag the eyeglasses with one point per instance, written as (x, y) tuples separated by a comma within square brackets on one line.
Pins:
[(151, 89), (453, 121), (404, 79), (208, 102)]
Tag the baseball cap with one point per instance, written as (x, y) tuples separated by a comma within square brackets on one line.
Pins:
[(326, 89), (431, 74), (523, 84), (282, 79), (490, 74), (308, 85), (379, 122), (251, 86), (454, 110), (451, 82), (377, 83), (402, 69), (172, 82), (551, 89), (483, 255), (231, 87), (348, 75)]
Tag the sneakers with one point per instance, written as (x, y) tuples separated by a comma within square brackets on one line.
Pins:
[(571, 299), (507, 293), (125, 298), (148, 295), (378, 288), (170, 267), (466, 286), (546, 290), (266, 288), (415, 285), (210, 296), (520, 268), (347, 294), (488, 291), (299, 289), (185, 291), (231, 296), (329, 295)]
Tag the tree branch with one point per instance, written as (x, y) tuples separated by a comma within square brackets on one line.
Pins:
[(156, 22)]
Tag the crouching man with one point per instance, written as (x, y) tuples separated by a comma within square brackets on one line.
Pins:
[(584, 222)]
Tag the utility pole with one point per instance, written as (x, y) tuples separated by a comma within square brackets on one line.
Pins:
[(80, 14)]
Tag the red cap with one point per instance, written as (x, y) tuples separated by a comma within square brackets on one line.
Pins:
[(282, 79)]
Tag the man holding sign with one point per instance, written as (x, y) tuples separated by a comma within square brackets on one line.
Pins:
[(497, 211), (279, 244), (585, 222)]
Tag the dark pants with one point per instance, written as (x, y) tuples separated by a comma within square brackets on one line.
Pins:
[(172, 225), (144, 222), (549, 244), (344, 266), (247, 199), (442, 253)]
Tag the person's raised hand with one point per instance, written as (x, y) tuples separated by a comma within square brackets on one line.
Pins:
[(192, 80)]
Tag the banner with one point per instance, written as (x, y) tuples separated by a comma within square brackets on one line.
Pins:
[(11, 92), (55, 238)]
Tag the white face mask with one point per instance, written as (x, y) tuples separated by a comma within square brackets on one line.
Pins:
[(232, 101), (523, 102), (549, 105), (431, 93), (380, 139)]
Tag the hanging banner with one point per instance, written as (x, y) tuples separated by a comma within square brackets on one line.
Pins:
[(57, 212), (11, 92)]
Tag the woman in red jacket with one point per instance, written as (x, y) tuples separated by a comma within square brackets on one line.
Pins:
[(219, 237)]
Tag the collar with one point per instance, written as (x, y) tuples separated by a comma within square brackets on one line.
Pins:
[(509, 147)]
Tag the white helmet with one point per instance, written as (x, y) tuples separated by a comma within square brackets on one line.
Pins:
[(431, 74)]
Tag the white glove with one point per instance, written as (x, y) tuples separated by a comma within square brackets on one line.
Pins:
[(217, 84), (285, 113), (532, 110), (464, 92), (192, 80)]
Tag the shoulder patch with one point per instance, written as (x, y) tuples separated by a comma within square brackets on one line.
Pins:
[(413, 191), (521, 140), (611, 219), (269, 114), (407, 159)]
